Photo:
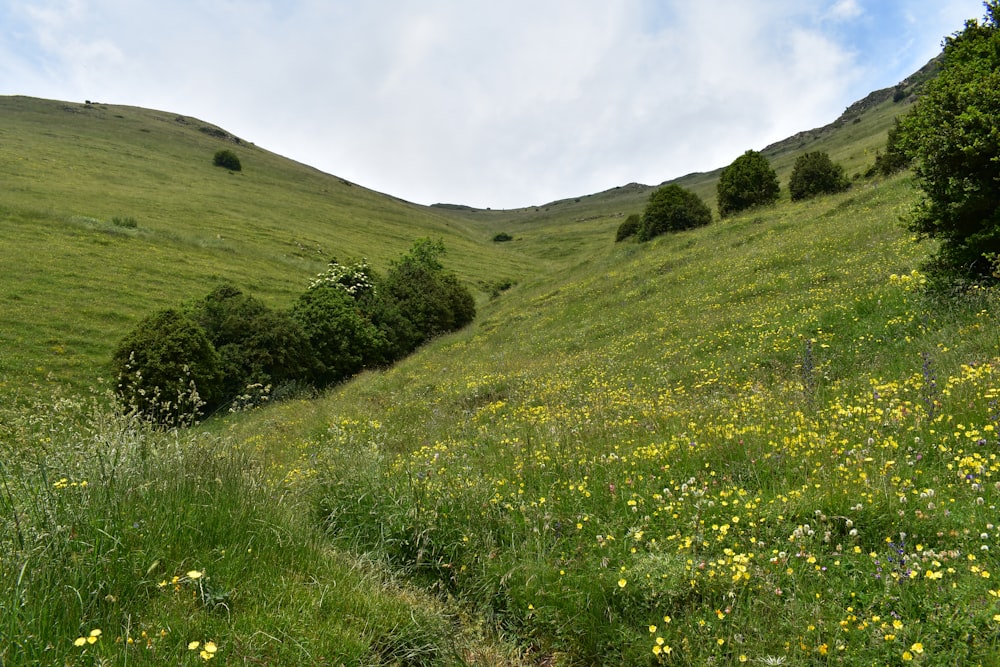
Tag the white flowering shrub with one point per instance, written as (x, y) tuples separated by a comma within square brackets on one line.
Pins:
[(355, 279)]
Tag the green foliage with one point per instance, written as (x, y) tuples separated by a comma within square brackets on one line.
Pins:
[(239, 350), (628, 228), (343, 338), (227, 159), (673, 209), (953, 133), (421, 299), (256, 345), (814, 173), (167, 369), (894, 158), (749, 181), (502, 237)]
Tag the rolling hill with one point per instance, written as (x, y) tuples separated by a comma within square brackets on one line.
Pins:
[(112, 212), (760, 441)]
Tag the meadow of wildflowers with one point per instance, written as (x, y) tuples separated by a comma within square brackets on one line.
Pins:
[(760, 441)]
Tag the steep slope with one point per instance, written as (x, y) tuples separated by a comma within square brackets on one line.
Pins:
[(581, 225), (111, 212), (754, 442)]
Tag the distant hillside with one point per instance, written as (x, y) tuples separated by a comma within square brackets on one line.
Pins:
[(902, 94), (874, 114), (110, 212)]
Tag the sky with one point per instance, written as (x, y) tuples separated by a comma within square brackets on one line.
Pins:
[(489, 104)]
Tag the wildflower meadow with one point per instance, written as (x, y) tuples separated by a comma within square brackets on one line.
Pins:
[(784, 453), (769, 440)]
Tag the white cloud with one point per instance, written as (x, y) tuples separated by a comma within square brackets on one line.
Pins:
[(490, 104), (846, 10)]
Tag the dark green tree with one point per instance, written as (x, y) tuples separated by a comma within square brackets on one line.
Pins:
[(749, 181), (953, 133), (813, 174), (227, 159), (672, 209), (167, 369), (894, 157), (342, 336), (256, 345), (628, 228), (423, 300)]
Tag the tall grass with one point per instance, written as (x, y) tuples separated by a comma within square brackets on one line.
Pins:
[(124, 545)]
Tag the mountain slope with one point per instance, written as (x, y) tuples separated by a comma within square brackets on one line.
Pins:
[(758, 442), (75, 279), (111, 212)]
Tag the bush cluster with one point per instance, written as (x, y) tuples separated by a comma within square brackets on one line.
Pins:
[(230, 348), (814, 173), (672, 209), (228, 160)]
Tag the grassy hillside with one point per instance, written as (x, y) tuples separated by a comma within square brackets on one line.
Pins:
[(755, 442), (75, 281), (579, 227), (759, 441)]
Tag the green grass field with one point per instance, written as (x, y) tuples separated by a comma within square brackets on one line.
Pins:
[(760, 441)]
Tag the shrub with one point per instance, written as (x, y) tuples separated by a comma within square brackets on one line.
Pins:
[(672, 209), (629, 228), (227, 159), (126, 222), (256, 345), (502, 237), (894, 158), (422, 300), (814, 174), (356, 279), (952, 133), (167, 369), (343, 338), (749, 181)]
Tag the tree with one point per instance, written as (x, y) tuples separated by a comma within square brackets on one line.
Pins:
[(628, 228), (342, 336), (894, 158), (813, 174), (423, 300), (228, 160), (749, 181), (672, 209), (167, 369), (953, 132), (256, 345)]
